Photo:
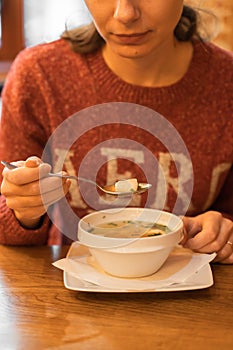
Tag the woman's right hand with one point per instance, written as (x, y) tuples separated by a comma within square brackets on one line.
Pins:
[(29, 191)]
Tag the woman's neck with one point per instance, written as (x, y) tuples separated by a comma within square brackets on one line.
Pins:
[(161, 68)]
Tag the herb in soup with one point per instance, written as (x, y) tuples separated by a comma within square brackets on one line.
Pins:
[(129, 229)]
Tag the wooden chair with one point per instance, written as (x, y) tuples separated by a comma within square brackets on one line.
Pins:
[(12, 39)]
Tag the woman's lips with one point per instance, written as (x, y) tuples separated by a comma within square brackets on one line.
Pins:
[(131, 39)]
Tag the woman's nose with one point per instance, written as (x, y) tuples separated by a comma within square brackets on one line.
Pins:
[(126, 11)]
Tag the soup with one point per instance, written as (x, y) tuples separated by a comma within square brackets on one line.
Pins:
[(129, 229)]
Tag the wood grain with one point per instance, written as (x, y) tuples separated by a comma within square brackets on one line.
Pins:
[(37, 312)]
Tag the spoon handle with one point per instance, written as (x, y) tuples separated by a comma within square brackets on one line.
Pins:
[(11, 166), (8, 165), (78, 178)]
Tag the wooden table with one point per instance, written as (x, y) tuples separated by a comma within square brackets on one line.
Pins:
[(37, 312)]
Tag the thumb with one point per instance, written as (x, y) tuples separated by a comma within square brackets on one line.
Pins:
[(32, 162), (185, 235), (36, 162)]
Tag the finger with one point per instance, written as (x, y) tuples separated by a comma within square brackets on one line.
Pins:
[(228, 260), (48, 198), (51, 197), (214, 238), (34, 188), (225, 255), (210, 225), (191, 228), (24, 175), (31, 162), (18, 164)]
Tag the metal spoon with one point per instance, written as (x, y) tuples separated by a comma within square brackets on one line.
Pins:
[(109, 189)]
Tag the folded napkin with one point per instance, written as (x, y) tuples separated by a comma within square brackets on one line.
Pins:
[(180, 265)]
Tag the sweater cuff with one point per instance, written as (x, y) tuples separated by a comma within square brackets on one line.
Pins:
[(12, 233)]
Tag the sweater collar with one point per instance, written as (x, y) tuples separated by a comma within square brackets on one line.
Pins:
[(109, 86)]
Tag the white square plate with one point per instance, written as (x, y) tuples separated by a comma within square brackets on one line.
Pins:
[(202, 278)]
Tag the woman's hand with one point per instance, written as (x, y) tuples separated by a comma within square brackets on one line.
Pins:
[(210, 232), (29, 191)]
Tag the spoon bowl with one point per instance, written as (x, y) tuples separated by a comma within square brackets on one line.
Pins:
[(109, 189)]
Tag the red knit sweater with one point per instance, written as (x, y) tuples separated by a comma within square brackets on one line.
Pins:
[(49, 83)]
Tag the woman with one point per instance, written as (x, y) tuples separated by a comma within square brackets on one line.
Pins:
[(142, 52)]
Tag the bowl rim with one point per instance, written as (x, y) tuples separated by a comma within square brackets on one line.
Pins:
[(103, 242)]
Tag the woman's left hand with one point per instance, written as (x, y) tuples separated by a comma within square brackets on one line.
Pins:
[(210, 232)]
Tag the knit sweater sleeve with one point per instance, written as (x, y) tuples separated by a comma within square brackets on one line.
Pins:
[(21, 135), (224, 202)]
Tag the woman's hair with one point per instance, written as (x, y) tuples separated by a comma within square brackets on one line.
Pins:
[(86, 39)]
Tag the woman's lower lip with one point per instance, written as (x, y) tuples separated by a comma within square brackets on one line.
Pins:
[(131, 39)]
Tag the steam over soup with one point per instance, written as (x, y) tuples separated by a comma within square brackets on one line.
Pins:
[(129, 229)]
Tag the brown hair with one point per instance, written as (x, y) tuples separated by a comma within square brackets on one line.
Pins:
[(86, 39)]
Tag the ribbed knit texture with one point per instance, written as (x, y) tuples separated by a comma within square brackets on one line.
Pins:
[(48, 83)]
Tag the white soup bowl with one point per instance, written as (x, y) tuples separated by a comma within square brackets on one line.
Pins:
[(130, 257)]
